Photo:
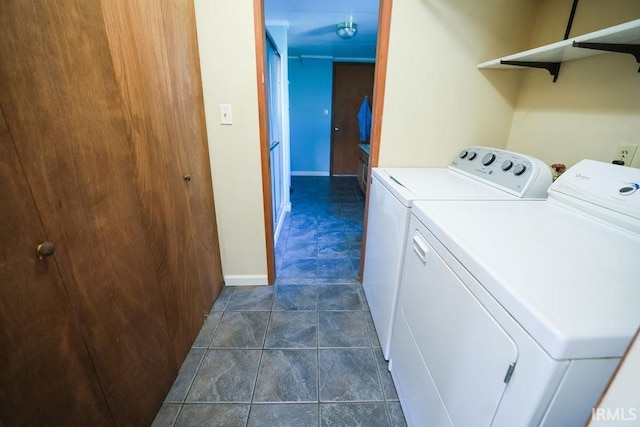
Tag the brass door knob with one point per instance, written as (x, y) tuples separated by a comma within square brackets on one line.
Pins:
[(45, 249), (187, 177)]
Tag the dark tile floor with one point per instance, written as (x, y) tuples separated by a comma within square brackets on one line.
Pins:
[(302, 352)]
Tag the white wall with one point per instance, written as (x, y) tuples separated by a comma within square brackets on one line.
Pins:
[(437, 102), (594, 105), (228, 64)]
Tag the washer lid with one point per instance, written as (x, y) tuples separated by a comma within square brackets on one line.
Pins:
[(603, 190), (571, 281), (409, 184)]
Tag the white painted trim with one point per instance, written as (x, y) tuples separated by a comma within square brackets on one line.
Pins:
[(277, 23), (312, 57), (309, 173), (246, 280), (334, 58), (286, 208)]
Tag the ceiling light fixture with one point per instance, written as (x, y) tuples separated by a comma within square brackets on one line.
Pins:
[(346, 29)]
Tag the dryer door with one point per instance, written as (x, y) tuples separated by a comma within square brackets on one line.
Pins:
[(449, 356)]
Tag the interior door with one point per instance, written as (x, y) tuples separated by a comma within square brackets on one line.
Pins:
[(45, 369), (63, 110), (274, 87), (351, 83)]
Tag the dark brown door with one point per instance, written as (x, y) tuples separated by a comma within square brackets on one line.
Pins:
[(351, 83), (64, 113), (46, 374)]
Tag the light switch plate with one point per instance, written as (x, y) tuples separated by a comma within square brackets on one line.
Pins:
[(225, 114)]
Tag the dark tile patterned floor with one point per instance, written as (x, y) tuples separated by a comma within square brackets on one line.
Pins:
[(302, 352)]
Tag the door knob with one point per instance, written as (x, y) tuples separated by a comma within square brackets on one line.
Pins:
[(45, 249), (187, 178), (336, 129)]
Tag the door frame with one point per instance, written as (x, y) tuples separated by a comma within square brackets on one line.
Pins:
[(263, 124), (382, 49)]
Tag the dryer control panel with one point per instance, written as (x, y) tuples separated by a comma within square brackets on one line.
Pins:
[(600, 189), (514, 173)]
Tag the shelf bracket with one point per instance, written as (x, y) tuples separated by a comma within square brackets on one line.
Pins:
[(632, 49), (552, 67)]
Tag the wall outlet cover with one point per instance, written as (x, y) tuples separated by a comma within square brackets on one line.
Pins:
[(625, 153)]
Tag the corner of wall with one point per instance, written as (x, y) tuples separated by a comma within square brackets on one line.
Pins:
[(437, 101), (593, 106), (229, 77)]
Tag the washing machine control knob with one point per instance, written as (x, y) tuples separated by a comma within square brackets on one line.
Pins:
[(488, 159), (472, 155), (506, 165), (519, 169), (464, 154)]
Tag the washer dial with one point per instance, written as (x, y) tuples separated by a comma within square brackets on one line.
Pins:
[(519, 169), (488, 159)]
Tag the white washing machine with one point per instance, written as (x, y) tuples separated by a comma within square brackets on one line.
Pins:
[(516, 314), (478, 173)]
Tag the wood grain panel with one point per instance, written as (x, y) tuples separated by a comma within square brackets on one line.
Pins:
[(351, 83), (62, 105), (45, 370), (154, 49)]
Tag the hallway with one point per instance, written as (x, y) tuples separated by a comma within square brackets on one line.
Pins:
[(302, 352), (321, 237)]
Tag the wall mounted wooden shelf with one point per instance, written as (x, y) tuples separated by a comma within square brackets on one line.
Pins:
[(624, 38)]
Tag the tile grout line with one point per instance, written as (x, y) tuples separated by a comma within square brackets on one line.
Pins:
[(319, 421)]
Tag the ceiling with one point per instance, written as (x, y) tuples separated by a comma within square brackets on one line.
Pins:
[(312, 26)]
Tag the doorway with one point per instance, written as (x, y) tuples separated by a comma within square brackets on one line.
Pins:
[(382, 43), (352, 89)]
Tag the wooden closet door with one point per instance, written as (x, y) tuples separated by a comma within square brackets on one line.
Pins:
[(351, 83), (155, 52), (45, 370), (63, 110)]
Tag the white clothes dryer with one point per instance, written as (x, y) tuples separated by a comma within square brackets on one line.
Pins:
[(517, 314), (478, 173)]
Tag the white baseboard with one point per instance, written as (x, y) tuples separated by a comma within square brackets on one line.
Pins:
[(276, 234), (309, 173), (246, 280)]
